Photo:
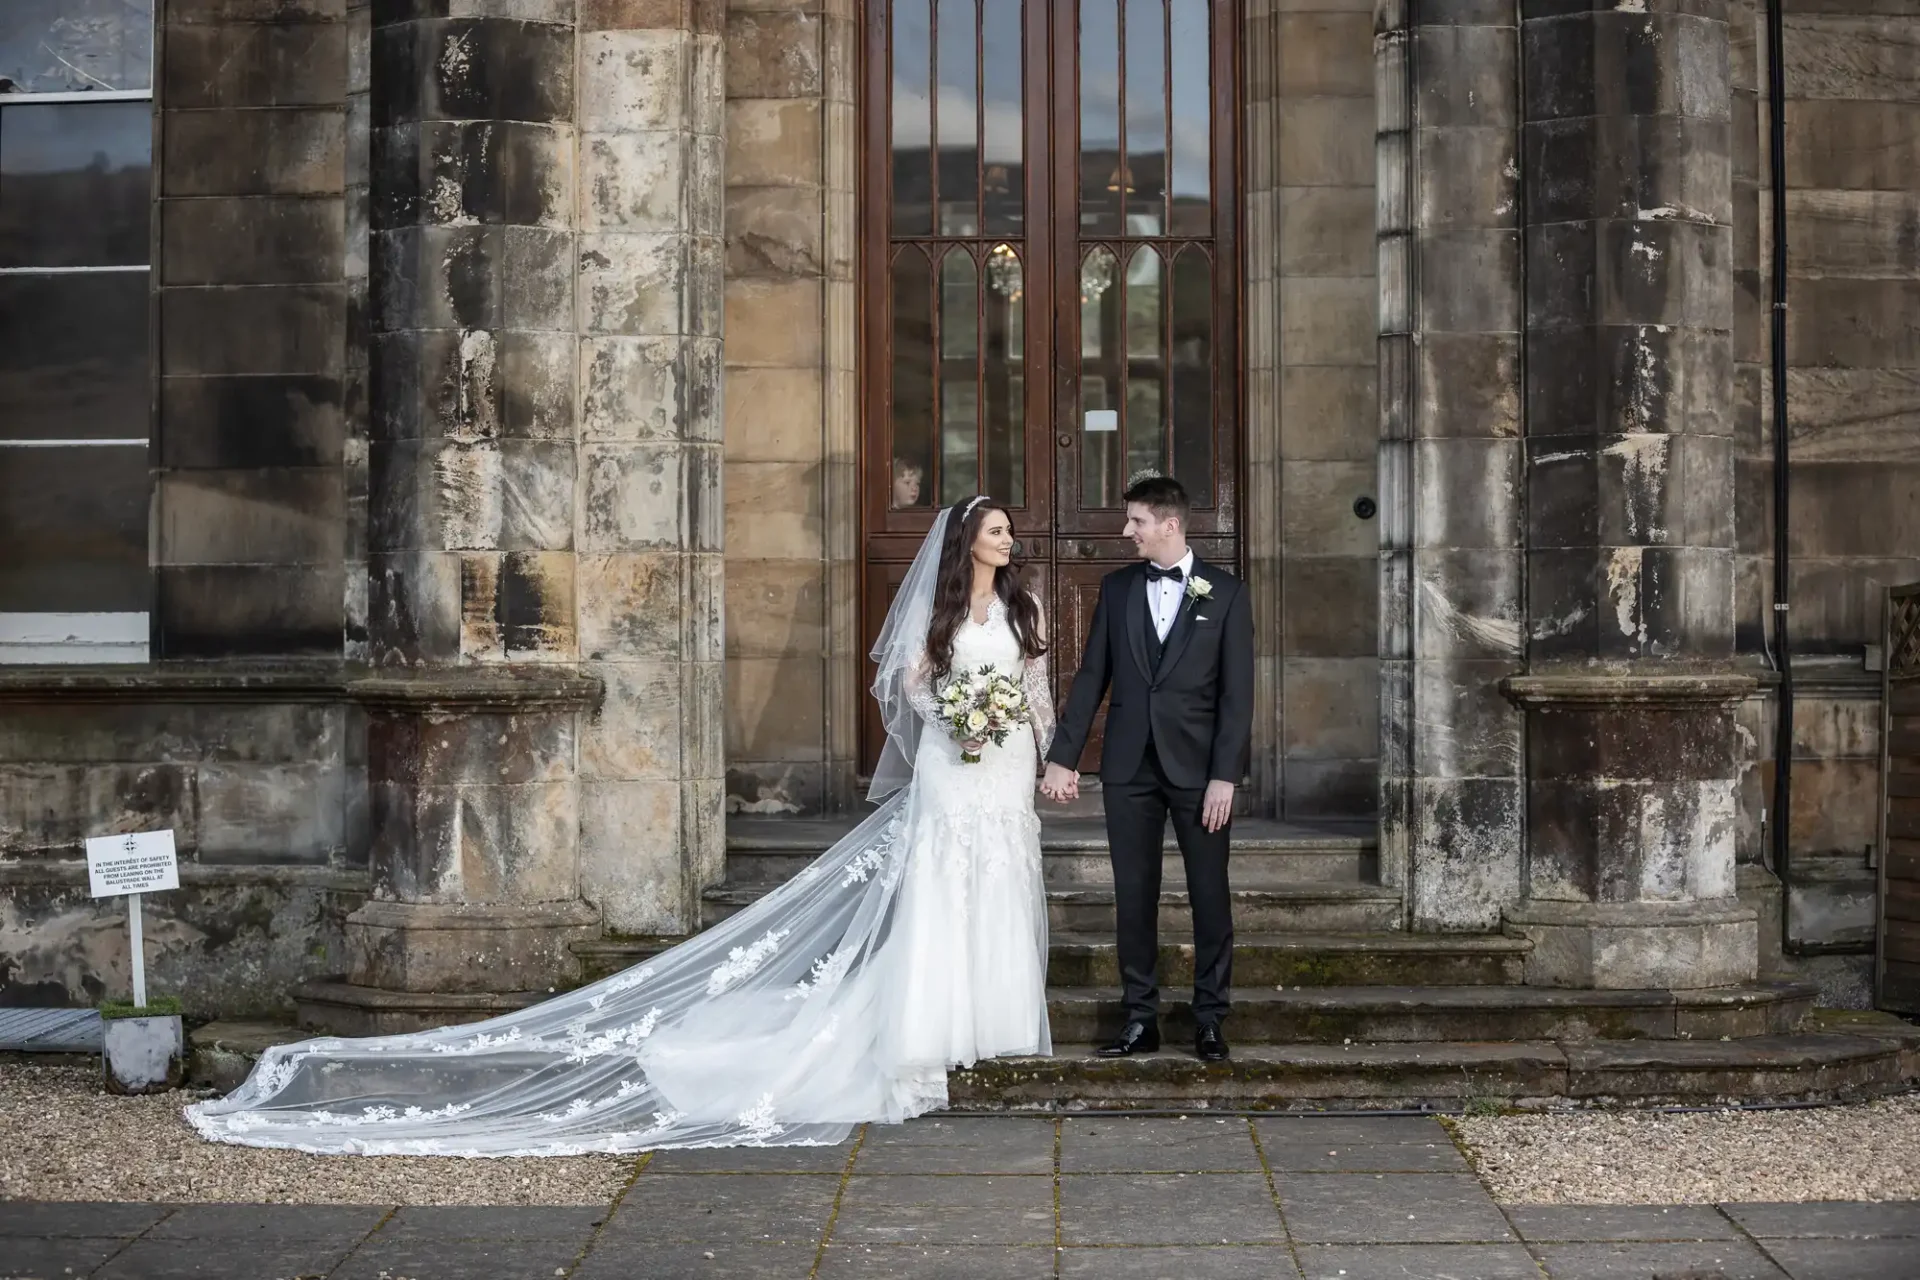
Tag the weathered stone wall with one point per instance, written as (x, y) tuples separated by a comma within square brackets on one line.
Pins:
[(250, 488), (266, 800), (1321, 66), (792, 589), (1853, 401)]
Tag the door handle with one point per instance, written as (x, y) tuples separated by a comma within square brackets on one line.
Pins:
[(1066, 441)]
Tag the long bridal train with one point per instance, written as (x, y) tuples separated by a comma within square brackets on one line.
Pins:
[(915, 943)]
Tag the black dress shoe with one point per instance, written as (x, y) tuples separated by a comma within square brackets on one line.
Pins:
[(1209, 1044), (1138, 1037)]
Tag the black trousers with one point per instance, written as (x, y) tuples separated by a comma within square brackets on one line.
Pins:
[(1137, 814)]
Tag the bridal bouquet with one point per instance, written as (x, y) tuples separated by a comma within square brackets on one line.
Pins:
[(984, 705)]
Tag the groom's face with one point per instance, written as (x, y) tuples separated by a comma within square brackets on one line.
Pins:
[(1154, 537)]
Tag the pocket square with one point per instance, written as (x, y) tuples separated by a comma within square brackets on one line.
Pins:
[(1199, 617)]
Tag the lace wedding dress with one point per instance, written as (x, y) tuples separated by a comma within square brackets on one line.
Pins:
[(916, 943)]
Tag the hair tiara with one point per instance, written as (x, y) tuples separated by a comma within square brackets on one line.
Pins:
[(971, 505)]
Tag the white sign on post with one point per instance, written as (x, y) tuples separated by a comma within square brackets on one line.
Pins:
[(142, 862)]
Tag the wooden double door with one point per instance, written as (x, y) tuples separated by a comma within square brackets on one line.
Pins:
[(1049, 281)]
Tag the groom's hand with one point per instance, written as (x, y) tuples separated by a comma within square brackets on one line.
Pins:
[(1061, 783), (1217, 805)]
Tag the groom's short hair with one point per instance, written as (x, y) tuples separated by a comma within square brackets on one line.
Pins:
[(1163, 495)]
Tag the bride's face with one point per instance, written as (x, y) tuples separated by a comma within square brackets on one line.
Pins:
[(993, 544)]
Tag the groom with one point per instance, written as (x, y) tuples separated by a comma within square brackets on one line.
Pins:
[(1173, 637)]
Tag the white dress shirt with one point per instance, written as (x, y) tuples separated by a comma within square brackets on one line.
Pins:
[(1165, 595)]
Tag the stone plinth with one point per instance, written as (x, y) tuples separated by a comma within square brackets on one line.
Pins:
[(1631, 787)]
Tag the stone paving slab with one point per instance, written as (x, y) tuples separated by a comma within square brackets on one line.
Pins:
[(244, 1224), (934, 1209), (1895, 1259), (1196, 1208), (77, 1218), (1302, 1156), (1214, 1262), (219, 1260), (724, 1208), (943, 1262), (1395, 1208), (1538, 1223), (428, 1259), (1712, 1260), (1350, 1130), (962, 1145), (56, 1256), (572, 1223), (1150, 1144), (1417, 1262), (1838, 1220), (633, 1260)]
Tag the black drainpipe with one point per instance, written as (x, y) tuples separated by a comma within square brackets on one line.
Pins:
[(1783, 654)]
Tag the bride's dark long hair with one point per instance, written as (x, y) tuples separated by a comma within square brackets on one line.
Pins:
[(953, 592)]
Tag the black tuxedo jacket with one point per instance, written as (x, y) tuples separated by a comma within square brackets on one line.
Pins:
[(1197, 701)]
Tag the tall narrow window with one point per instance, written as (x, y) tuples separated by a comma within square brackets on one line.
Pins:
[(76, 112), (957, 362)]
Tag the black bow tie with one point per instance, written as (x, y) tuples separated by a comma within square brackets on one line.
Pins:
[(1155, 573)]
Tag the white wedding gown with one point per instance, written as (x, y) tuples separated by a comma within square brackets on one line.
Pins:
[(916, 943)]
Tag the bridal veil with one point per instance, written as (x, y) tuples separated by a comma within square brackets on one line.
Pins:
[(767, 1029)]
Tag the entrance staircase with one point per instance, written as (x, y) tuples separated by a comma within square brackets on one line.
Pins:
[(1335, 1004)]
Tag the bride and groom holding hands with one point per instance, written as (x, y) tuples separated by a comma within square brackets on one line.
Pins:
[(917, 943)]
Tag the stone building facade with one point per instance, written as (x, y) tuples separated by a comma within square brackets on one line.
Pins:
[(482, 421)]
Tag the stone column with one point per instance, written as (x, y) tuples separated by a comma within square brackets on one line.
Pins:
[(652, 125), (472, 460), (1630, 689), (1450, 460)]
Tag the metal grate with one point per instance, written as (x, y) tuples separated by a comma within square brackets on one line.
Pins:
[(49, 1031), (1897, 940)]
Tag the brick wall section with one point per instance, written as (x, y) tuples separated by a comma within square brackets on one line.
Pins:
[(250, 489)]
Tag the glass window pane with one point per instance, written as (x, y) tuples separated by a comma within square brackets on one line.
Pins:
[(959, 377), (1100, 176), (1146, 363), (958, 115), (74, 184), (1192, 132), (1101, 382), (74, 524), (1005, 377), (911, 470), (1004, 144), (1143, 177), (912, 117), (1192, 414), (73, 365), (73, 46)]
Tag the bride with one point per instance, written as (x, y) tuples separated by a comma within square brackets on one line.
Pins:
[(916, 943)]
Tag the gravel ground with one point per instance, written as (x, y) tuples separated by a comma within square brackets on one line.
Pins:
[(66, 1140), (1868, 1152)]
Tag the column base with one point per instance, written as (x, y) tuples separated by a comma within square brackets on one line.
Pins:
[(1677, 946), (467, 948)]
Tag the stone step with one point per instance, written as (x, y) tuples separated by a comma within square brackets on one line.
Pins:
[(1074, 851), (1829, 1064), (1318, 959), (1311, 907), (1446, 1076), (1338, 1015)]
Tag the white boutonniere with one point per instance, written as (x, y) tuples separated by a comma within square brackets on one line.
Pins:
[(1199, 589)]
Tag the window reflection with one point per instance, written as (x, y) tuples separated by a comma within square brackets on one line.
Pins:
[(1191, 416), (76, 46), (1191, 130), (1103, 180), (912, 118), (959, 378), (75, 184), (1146, 148), (1101, 381), (1004, 377), (957, 116), (911, 470), (1146, 363)]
